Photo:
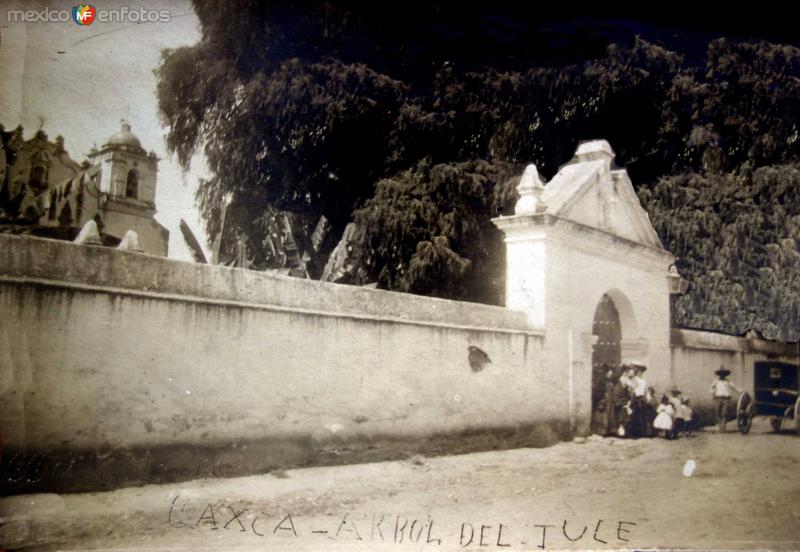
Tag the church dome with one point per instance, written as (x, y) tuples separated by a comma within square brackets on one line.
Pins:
[(125, 138)]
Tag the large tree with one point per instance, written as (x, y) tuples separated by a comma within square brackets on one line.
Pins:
[(428, 230), (410, 120)]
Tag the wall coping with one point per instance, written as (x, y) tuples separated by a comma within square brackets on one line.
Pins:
[(714, 341), (41, 261), (516, 227)]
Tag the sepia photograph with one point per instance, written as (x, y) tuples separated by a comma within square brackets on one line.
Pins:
[(419, 276)]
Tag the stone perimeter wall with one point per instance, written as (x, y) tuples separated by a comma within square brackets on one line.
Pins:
[(118, 368), (697, 354), (121, 368)]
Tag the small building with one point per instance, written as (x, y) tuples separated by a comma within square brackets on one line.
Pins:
[(46, 193)]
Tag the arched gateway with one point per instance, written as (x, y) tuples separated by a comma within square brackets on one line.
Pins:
[(586, 266), (606, 352)]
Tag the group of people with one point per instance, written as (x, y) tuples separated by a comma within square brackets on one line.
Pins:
[(629, 407)]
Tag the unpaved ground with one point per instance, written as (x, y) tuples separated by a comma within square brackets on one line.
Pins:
[(743, 494)]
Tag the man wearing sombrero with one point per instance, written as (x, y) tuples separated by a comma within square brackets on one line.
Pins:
[(723, 390)]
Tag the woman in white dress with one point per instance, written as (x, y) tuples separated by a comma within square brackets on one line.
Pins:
[(663, 421)]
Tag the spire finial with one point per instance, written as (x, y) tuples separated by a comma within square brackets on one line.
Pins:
[(593, 150), (530, 189)]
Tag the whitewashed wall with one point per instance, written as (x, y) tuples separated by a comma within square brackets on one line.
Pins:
[(103, 351), (697, 354)]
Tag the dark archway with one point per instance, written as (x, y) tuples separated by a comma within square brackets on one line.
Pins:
[(607, 351)]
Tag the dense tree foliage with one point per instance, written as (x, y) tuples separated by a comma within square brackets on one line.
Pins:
[(428, 229), (411, 120), (736, 237)]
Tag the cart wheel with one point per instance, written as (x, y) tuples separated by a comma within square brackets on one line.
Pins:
[(744, 413), (776, 424)]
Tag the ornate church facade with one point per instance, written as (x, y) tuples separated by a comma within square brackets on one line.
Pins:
[(46, 193)]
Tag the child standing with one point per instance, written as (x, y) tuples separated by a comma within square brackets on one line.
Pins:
[(686, 416), (676, 400), (664, 418)]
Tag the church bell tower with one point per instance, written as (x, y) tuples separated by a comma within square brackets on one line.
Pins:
[(127, 172)]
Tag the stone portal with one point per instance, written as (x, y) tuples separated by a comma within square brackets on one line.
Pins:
[(579, 241)]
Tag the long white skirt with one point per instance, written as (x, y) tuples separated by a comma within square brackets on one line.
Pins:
[(663, 421)]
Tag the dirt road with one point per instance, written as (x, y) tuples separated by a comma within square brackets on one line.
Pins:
[(744, 493)]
